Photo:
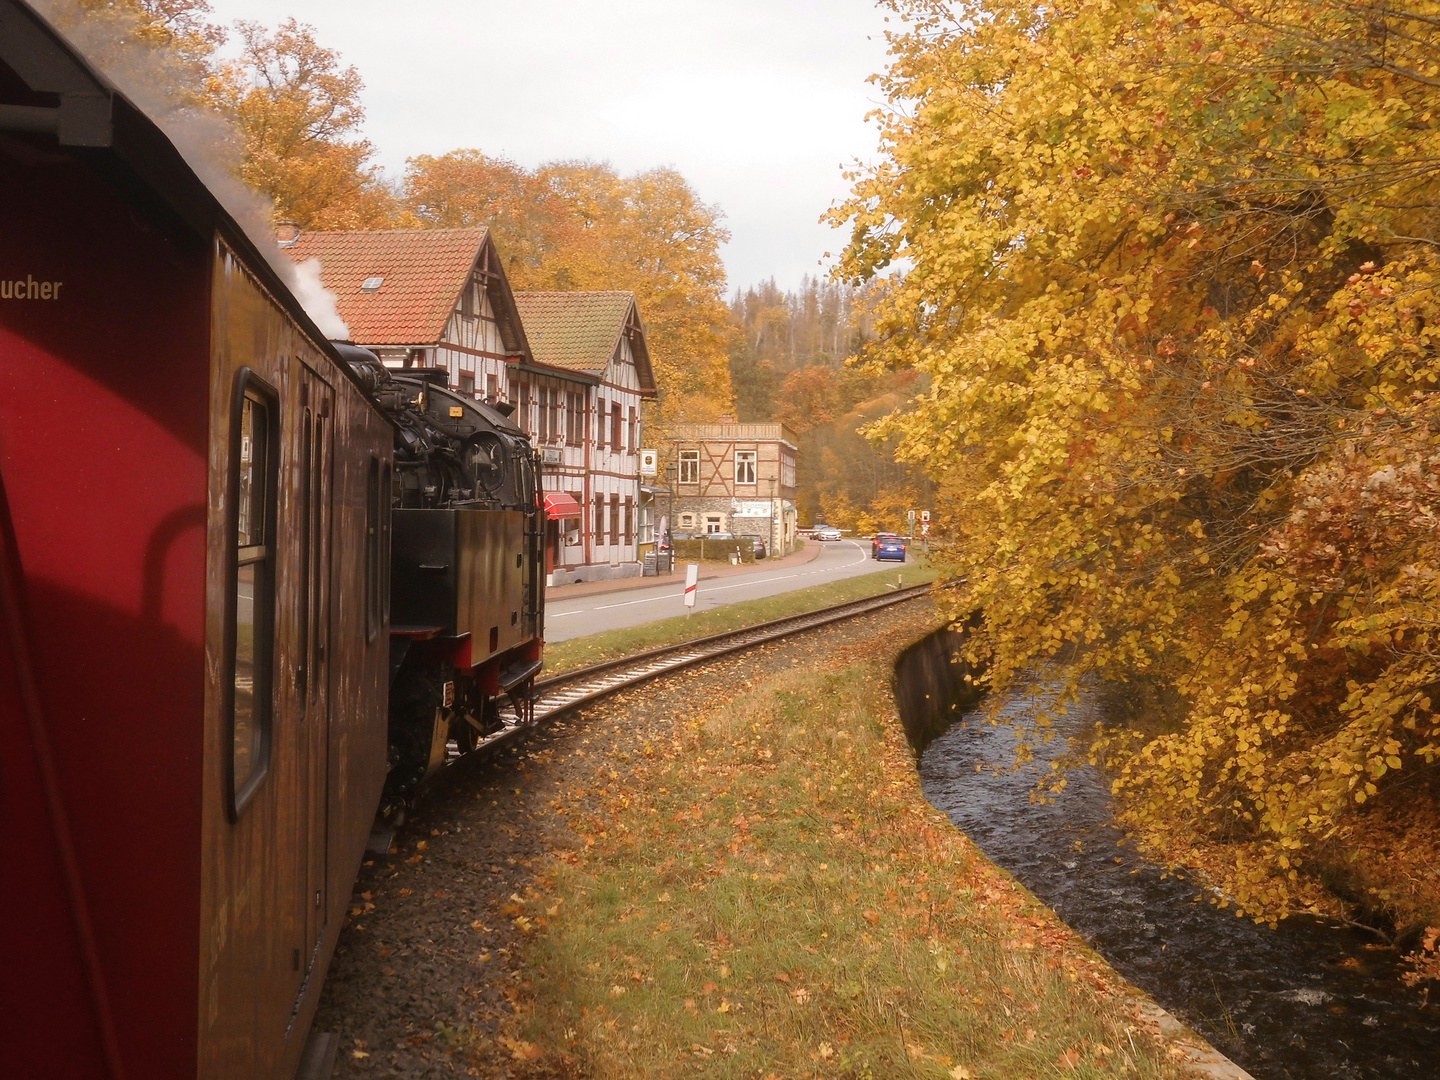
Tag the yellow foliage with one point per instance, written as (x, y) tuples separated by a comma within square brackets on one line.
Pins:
[(1171, 278), (580, 225)]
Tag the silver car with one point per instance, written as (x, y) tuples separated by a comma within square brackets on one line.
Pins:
[(828, 532)]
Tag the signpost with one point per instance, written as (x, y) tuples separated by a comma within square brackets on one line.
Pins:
[(692, 578)]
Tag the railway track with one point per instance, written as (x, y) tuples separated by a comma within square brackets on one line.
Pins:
[(571, 689)]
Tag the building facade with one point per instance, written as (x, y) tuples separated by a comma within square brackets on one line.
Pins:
[(735, 478), (579, 395), (574, 366)]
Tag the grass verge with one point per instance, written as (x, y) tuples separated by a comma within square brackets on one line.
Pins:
[(762, 892), (610, 644)]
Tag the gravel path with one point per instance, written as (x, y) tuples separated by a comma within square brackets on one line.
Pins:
[(428, 978)]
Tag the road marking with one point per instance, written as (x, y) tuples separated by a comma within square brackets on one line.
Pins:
[(862, 557)]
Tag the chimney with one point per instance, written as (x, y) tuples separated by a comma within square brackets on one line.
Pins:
[(287, 233)]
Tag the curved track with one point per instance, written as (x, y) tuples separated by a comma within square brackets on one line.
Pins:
[(570, 689)]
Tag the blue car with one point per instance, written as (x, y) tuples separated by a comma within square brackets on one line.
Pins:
[(887, 546)]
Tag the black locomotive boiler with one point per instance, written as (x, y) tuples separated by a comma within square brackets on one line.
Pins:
[(466, 601)]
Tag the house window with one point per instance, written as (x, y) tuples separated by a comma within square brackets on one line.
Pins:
[(544, 417), (689, 466), (555, 415), (615, 519), (522, 407), (615, 427), (745, 466), (599, 519), (491, 389), (629, 519), (467, 384), (600, 423), (254, 472), (713, 523), (687, 521), (630, 435), (574, 418)]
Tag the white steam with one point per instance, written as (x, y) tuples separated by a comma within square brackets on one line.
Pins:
[(163, 85), (318, 301)]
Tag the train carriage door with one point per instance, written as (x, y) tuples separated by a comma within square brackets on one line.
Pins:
[(317, 462)]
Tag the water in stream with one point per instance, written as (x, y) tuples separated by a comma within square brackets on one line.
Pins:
[(1308, 1001)]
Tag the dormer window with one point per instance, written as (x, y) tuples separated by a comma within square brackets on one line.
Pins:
[(372, 284)]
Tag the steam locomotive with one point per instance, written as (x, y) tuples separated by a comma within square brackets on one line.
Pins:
[(466, 622), (249, 581)]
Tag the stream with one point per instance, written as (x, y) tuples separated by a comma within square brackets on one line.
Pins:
[(1311, 1000)]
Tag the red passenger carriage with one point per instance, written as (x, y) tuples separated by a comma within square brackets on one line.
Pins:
[(193, 652)]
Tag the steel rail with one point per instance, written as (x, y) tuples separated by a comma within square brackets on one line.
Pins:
[(571, 689)]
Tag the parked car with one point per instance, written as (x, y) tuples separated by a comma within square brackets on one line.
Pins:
[(759, 544), (887, 546), (717, 536), (828, 532), (674, 537)]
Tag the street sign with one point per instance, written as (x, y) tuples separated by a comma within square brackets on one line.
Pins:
[(648, 459)]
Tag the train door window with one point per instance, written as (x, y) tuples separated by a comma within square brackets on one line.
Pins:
[(385, 543), (374, 496), (467, 384), (254, 468)]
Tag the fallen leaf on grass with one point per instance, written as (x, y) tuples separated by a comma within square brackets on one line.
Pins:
[(359, 1053), (872, 917), (521, 1051), (1069, 1059), (960, 1072)]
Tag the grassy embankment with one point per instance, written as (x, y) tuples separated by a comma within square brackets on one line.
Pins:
[(761, 891), (593, 648)]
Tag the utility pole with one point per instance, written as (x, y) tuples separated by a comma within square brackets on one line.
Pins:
[(671, 469)]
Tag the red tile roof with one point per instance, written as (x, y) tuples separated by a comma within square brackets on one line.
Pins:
[(423, 272), (575, 330)]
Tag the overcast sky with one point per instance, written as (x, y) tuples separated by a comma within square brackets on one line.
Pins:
[(759, 103)]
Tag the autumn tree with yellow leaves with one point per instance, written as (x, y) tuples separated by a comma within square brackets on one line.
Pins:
[(1171, 272), (581, 225)]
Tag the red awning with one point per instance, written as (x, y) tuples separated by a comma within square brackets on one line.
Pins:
[(560, 505)]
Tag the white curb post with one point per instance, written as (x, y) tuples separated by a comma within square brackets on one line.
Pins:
[(692, 578)]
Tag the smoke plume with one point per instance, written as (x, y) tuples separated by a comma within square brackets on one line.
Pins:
[(166, 87)]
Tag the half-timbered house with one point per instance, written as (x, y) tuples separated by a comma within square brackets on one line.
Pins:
[(579, 393), (735, 478), (423, 298)]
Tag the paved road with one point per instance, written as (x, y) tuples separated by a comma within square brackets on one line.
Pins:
[(613, 611)]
